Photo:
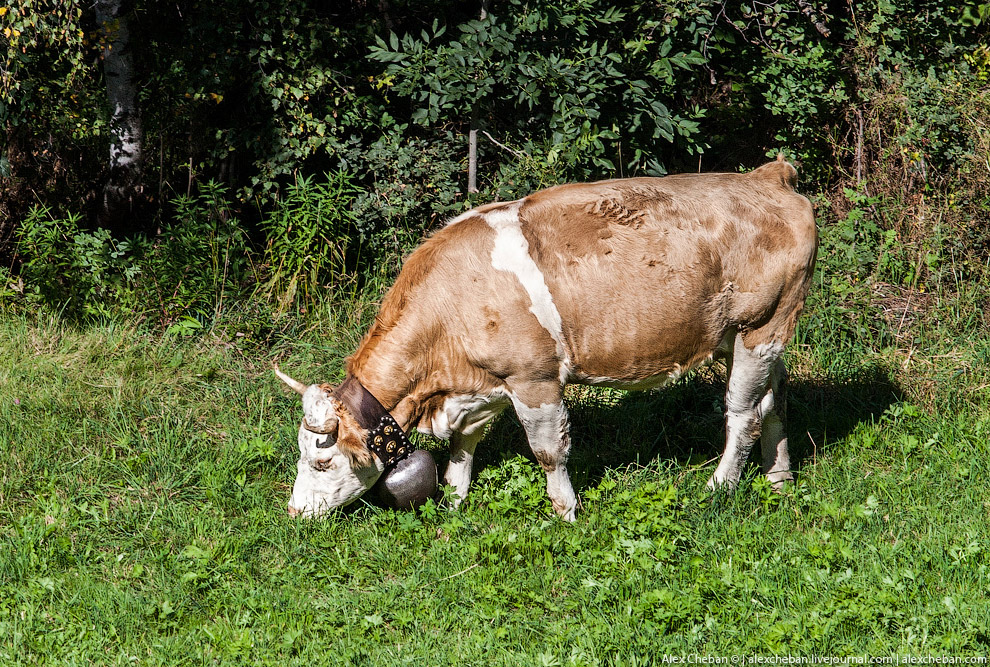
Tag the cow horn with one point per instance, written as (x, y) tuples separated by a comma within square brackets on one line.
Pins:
[(295, 385)]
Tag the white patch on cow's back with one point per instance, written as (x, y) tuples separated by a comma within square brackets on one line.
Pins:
[(511, 253), (462, 217)]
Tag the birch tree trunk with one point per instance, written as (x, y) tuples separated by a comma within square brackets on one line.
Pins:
[(473, 131), (124, 188)]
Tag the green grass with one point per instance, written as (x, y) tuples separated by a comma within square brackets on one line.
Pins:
[(144, 478)]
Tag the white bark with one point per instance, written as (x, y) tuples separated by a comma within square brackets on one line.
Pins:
[(124, 185), (473, 132), (473, 158)]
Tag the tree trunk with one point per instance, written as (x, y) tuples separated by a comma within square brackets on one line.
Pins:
[(124, 188), (473, 131), (473, 156)]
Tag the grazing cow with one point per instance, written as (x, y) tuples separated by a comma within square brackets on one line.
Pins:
[(622, 283)]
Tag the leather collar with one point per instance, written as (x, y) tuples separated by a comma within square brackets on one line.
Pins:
[(386, 439)]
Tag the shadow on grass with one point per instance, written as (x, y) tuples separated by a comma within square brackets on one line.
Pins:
[(684, 423)]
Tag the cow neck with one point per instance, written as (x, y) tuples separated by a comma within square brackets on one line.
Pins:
[(397, 393), (386, 438), (392, 362)]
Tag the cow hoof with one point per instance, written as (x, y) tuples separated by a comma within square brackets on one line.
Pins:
[(566, 513), (779, 480), (715, 484)]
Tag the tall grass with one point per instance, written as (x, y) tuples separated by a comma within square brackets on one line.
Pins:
[(309, 237), (143, 479)]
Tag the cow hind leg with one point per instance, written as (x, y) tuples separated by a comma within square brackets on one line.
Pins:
[(748, 398), (773, 439), (548, 431)]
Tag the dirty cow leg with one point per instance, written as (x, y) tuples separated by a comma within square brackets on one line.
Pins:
[(547, 429), (747, 399), (773, 439), (458, 473)]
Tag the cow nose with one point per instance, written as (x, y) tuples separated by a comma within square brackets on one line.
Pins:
[(293, 511)]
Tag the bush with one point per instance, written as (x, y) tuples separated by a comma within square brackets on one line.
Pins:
[(309, 235), (75, 270), (201, 258)]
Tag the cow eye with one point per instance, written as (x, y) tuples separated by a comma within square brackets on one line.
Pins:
[(324, 444), (324, 464)]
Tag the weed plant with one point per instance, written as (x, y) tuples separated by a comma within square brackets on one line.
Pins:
[(309, 235), (200, 258)]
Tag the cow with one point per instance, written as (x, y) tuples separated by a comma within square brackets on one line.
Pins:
[(626, 283)]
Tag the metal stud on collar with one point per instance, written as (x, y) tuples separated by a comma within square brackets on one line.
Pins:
[(386, 439), (388, 442)]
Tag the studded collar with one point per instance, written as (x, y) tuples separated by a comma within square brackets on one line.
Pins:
[(386, 439)]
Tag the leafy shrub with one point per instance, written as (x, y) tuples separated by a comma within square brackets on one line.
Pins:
[(599, 103), (308, 237), (8, 286), (515, 487), (411, 185), (526, 172), (78, 271), (201, 258)]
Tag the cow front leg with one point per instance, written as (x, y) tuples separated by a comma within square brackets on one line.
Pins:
[(747, 398), (458, 473), (548, 431), (773, 439)]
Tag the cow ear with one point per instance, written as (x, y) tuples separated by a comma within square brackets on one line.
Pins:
[(351, 438)]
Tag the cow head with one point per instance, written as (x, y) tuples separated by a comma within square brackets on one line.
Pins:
[(335, 465)]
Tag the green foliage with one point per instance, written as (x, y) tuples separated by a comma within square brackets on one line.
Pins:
[(200, 259), (46, 38), (513, 488), (8, 287), (593, 105), (304, 101), (410, 187), (259, 92), (852, 246), (75, 270), (779, 65), (934, 136), (308, 237), (975, 14)]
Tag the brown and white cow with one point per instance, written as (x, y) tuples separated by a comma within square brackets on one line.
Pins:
[(622, 283)]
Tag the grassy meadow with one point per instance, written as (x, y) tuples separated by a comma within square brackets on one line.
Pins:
[(144, 476)]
